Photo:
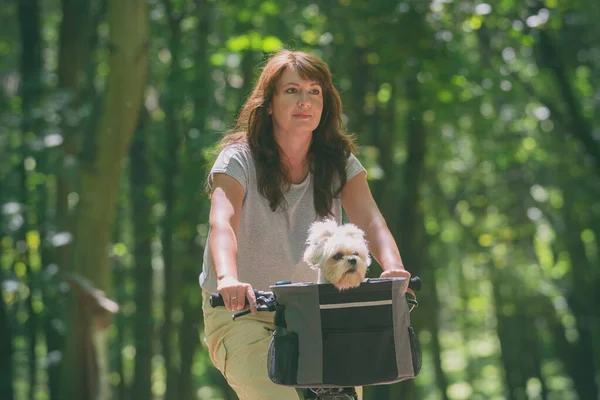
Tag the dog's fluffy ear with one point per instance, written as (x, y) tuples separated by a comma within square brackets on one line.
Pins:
[(313, 255), (318, 233), (353, 231), (321, 230)]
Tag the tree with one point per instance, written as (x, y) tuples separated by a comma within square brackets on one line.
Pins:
[(97, 187), (31, 91)]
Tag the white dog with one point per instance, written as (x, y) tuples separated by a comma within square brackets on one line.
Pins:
[(339, 252)]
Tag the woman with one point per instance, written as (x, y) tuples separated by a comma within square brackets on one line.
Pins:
[(285, 164)]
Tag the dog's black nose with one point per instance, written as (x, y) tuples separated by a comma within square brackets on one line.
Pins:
[(352, 261)]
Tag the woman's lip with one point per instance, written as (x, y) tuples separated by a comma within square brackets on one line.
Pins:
[(302, 115)]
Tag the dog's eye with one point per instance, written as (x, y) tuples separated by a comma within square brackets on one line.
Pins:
[(338, 256), (355, 253)]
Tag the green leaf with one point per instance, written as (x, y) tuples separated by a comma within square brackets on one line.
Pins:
[(217, 59), (385, 93), (310, 36), (271, 44), (445, 96), (269, 7), (238, 43)]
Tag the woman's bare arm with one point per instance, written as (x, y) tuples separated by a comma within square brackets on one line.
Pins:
[(226, 207), (362, 211)]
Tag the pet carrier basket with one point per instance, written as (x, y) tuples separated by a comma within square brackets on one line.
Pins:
[(357, 337)]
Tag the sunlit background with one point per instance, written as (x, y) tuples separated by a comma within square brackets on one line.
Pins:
[(478, 123)]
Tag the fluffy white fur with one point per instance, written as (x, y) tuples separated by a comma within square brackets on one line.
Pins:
[(339, 252)]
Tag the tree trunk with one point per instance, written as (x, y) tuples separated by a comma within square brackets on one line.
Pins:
[(518, 334), (595, 301), (121, 322), (6, 338), (169, 196), (31, 91), (191, 325), (360, 88), (248, 68), (98, 180), (195, 210), (563, 349), (6, 348), (580, 300), (6, 335), (434, 327), (515, 309), (581, 128), (170, 193), (508, 331), (410, 226), (383, 136), (73, 52), (143, 232), (409, 229)]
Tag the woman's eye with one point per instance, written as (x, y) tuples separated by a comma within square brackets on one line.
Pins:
[(338, 256), (295, 90)]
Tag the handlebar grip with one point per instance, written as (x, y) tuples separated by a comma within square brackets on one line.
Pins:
[(415, 283), (216, 300)]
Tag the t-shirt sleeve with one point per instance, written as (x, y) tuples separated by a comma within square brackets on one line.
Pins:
[(353, 167), (233, 161)]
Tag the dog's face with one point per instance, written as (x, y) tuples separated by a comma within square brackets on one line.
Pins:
[(339, 252)]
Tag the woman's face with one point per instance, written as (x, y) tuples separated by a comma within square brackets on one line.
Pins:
[(297, 104)]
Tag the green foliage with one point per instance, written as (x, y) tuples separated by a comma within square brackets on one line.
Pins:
[(507, 95)]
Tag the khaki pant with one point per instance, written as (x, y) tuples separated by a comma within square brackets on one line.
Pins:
[(239, 350)]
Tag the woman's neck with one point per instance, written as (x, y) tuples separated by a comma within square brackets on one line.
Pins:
[(295, 156)]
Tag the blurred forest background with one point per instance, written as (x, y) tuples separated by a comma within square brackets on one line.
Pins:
[(478, 123)]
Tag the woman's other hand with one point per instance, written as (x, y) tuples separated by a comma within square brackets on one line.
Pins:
[(395, 273), (235, 293)]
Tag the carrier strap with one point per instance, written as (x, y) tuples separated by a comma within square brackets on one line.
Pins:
[(280, 316)]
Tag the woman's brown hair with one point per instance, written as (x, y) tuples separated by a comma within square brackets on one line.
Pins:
[(330, 146)]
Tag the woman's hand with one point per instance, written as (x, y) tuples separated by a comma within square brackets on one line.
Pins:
[(395, 273), (235, 293)]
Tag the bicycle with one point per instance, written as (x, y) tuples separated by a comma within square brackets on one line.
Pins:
[(267, 301)]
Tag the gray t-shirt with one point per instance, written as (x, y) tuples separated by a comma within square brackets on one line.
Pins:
[(270, 243)]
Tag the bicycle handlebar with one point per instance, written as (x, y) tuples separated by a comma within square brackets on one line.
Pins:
[(216, 300), (415, 283)]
